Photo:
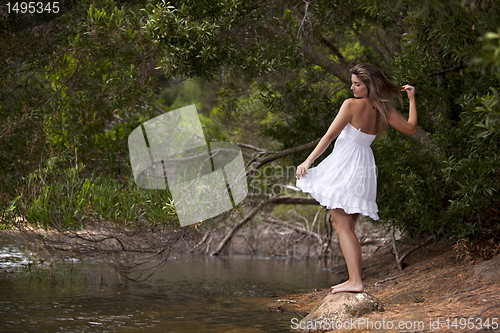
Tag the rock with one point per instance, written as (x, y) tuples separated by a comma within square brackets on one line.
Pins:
[(339, 307), (488, 271), (285, 305)]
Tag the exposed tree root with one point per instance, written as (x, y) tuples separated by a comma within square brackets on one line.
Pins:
[(400, 258)]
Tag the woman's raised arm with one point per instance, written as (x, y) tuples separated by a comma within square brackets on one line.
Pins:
[(398, 122)]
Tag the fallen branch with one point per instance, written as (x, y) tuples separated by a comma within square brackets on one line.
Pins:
[(200, 243), (286, 152), (387, 280), (399, 260), (257, 149), (271, 219), (488, 308), (236, 227), (463, 290), (289, 200)]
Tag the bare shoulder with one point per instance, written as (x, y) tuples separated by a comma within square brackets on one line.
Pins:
[(351, 104), (354, 102), (354, 105)]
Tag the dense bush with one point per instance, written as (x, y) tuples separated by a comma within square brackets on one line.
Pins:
[(281, 70), (72, 200)]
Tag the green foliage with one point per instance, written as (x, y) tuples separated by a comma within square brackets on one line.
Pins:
[(82, 86), (277, 67), (408, 191), (491, 52), (198, 39), (304, 109), (76, 201), (190, 45), (448, 186), (488, 114), (179, 95)]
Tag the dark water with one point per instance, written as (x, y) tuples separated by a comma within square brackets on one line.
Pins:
[(187, 294)]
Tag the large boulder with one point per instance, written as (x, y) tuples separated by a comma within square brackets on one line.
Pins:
[(488, 271), (335, 310)]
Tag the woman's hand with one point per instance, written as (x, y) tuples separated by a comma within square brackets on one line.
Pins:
[(302, 169), (410, 90), (401, 124)]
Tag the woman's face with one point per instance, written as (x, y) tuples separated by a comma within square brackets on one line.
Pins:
[(359, 89)]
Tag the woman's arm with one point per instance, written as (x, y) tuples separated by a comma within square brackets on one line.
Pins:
[(398, 122), (343, 117)]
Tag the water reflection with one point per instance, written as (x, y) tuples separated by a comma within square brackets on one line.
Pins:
[(200, 294)]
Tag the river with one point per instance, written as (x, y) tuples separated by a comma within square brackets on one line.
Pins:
[(186, 294)]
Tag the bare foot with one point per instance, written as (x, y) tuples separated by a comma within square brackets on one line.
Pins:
[(339, 285), (348, 286)]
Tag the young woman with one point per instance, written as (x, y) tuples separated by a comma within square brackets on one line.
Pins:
[(346, 181)]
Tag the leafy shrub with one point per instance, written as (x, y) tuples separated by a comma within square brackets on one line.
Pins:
[(76, 201)]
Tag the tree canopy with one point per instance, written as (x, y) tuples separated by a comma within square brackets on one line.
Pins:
[(74, 85)]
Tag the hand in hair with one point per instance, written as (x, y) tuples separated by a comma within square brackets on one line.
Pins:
[(398, 122), (410, 90)]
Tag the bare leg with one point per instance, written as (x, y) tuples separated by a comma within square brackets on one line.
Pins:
[(351, 249), (355, 217)]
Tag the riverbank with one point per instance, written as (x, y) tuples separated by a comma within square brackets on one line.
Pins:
[(254, 239), (439, 282)]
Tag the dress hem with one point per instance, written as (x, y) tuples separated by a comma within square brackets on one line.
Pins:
[(333, 204), (346, 178)]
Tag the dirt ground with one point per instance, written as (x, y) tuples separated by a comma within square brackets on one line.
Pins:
[(435, 284)]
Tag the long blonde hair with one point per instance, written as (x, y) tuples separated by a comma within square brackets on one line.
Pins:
[(381, 91)]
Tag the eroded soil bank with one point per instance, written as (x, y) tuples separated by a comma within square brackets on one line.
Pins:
[(464, 294)]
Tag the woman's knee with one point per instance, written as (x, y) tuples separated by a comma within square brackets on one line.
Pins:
[(343, 224), (343, 221)]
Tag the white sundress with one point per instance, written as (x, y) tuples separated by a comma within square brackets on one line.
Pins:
[(347, 178)]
